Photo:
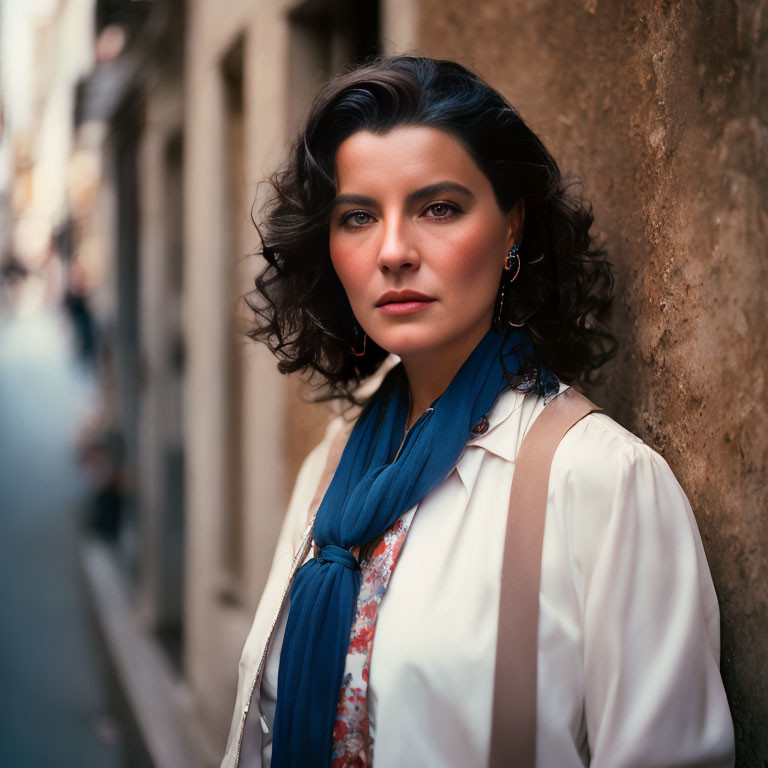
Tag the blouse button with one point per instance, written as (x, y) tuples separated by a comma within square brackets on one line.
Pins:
[(481, 427)]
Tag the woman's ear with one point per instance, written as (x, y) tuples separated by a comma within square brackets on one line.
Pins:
[(516, 218)]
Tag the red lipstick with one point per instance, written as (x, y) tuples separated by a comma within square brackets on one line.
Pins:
[(403, 302)]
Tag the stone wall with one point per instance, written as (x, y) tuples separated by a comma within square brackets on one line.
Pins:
[(661, 108)]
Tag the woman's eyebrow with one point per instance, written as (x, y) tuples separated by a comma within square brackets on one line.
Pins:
[(418, 194)]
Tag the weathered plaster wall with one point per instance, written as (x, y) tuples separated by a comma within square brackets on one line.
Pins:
[(662, 109)]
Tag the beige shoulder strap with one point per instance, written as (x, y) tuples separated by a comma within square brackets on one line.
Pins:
[(513, 725)]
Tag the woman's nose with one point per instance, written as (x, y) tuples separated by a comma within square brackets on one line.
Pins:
[(397, 251)]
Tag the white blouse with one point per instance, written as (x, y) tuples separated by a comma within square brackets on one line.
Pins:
[(628, 663)]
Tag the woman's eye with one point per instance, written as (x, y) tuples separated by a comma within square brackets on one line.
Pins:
[(355, 219), (442, 210)]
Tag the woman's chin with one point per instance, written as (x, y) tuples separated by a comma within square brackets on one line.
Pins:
[(418, 342), (412, 347)]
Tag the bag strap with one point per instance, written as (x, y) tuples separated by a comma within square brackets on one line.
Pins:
[(513, 725)]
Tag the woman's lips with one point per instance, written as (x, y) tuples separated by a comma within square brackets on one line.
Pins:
[(403, 302), (405, 307)]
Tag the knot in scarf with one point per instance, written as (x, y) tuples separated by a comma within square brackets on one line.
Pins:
[(332, 554), (380, 476)]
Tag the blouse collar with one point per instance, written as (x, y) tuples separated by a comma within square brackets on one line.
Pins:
[(500, 432)]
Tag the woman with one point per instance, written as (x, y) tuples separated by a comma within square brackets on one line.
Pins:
[(418, 216)]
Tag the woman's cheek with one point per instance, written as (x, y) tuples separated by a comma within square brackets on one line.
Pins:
[(474, 261), (350, 271)]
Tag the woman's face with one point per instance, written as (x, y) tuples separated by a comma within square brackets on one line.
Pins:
[(418, 240)]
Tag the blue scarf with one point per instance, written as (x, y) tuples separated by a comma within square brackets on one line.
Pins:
[(376, 481)]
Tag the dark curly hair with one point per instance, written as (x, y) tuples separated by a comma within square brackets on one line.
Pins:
[(302, 312)]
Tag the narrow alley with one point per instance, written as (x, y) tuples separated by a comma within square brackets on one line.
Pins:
[(57, 706)]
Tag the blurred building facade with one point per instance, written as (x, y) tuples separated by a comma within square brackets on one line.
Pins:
[(37, 91), (186, 110), (178, 109)]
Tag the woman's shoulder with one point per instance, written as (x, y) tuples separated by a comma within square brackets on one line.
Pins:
[(626, 524), (610, 492), (310, 476), (596, 458), (598, 447), (599, 456), (316, 461), (514, 413)]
